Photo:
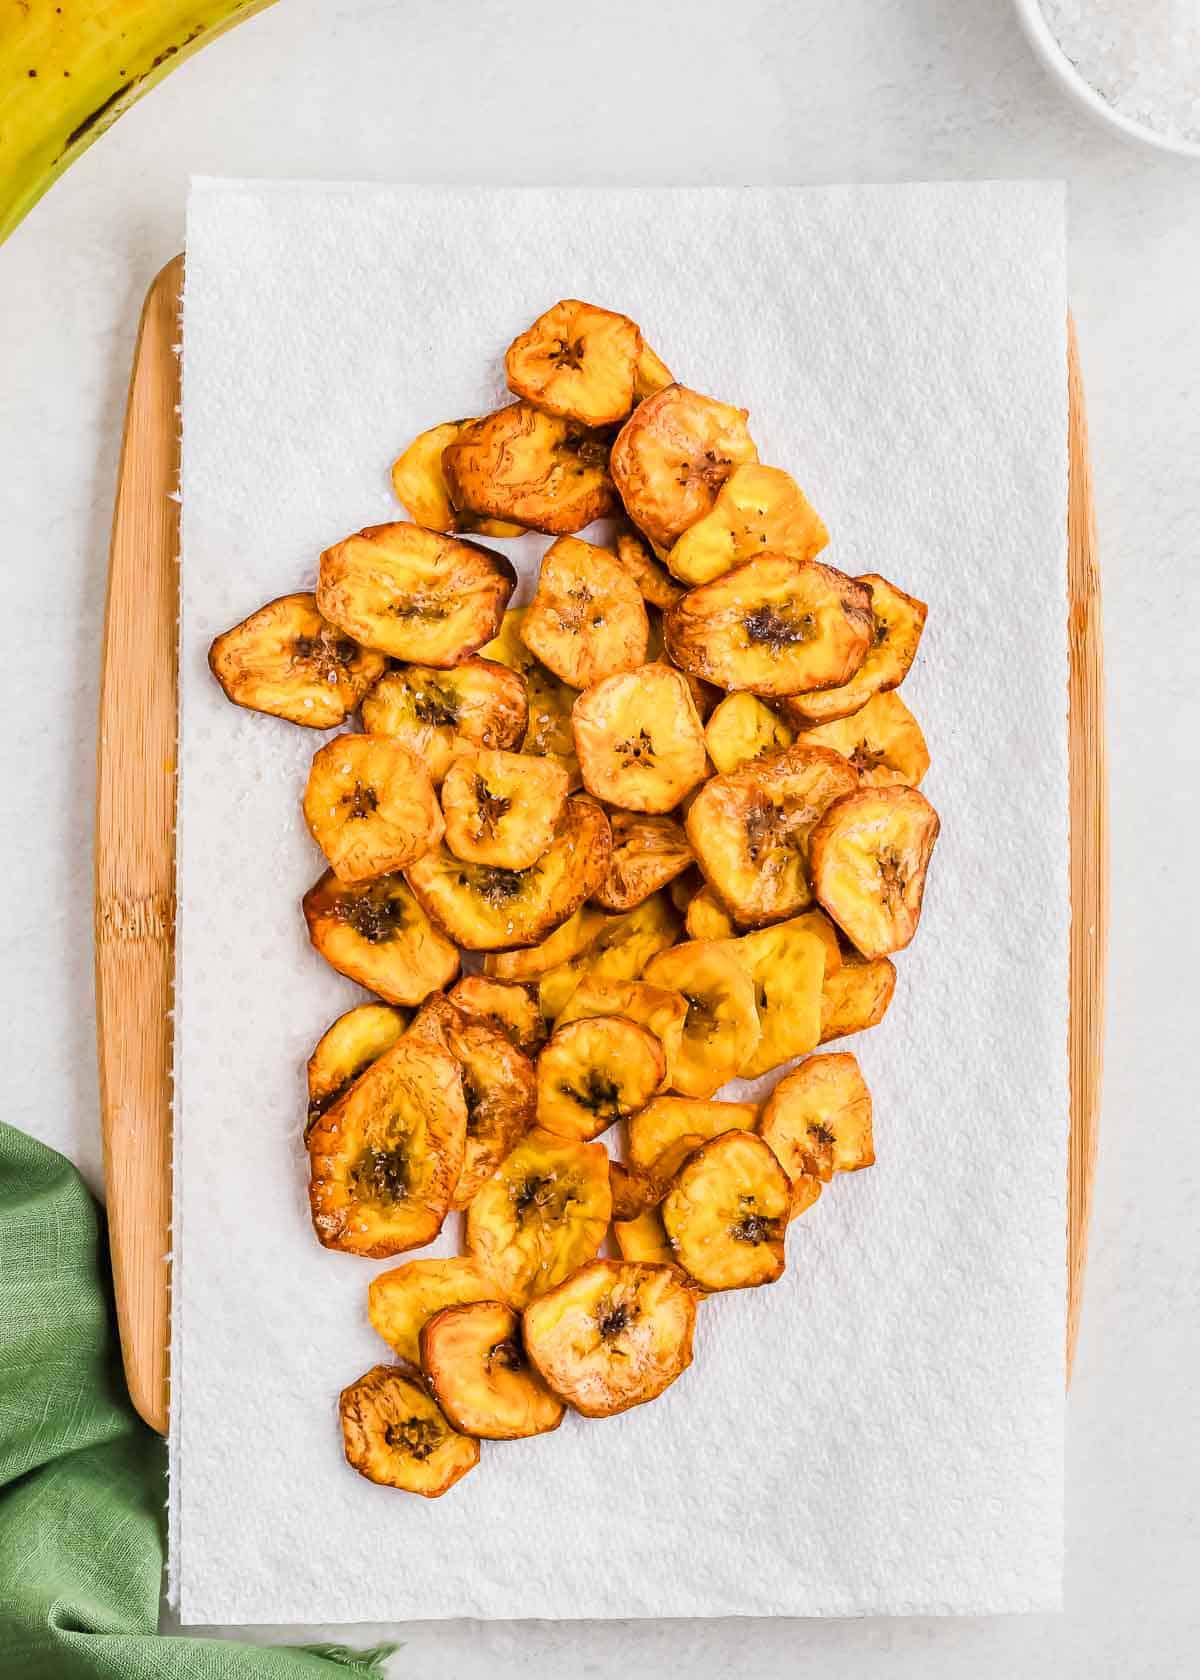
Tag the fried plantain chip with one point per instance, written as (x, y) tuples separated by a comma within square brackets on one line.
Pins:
[(498, 1088), (661, 1011), (435, 714), (898, 622), (285, 659), (786, 963), (501, 810), (643, 1238), (750, 830), (634, 1191), (346, 1049), (818, 1120), (489, 909), (658, 587), (370, 806), (594, 1071), (620, 951), (639, 739), (385, 1159), (566, 942), (727, 1211), (473, 1358), (543, 472), (402, 1300), (721, 1030), (587, 619), (868, 855), (419, 480), (651, 375), (394, 1434), (542, 1214), (549, 728), (613, 1336), (669, 1129), (510, 1008), (855, 995), (757, 509), (378, 935), (648, 852), (775, 626), (707, 917), (741, 730), (577, 361), (883, 742), (672, 456)]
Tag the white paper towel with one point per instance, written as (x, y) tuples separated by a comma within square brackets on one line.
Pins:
[(881, 1431)]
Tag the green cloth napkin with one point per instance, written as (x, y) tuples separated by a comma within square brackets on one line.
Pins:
[(82, 1480)]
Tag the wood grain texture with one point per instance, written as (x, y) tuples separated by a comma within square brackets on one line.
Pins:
[(135, 851)]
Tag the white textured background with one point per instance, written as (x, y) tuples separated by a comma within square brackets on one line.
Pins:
[(699, 92)]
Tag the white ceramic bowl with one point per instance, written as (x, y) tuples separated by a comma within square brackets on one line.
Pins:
[(1045, 44)]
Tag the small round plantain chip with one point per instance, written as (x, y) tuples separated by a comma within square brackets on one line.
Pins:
[(721, 1030), (346, 1049), (643, 1238), (669, 1129), (620, 950), (419, 480), (377, 935), (883, 742), (489, 909), (855, 995), (403, 1299), (549, 700), (415, 594), (757, 508), (370, 806), (577, 361), (476, 1365), (594, 1071), (648, 853), (868, 855), (498, 1087), (660, 1011), (658, 587), (507, 1006), (587, 618), (502, 809), (750, 830), (614, 1335), (437, 713), (639, 739), (285, 659), (538, 470), (786, 963), (384, 1160), (672, 456), (395, 1434), (898, 622), (727, 1211), (741, 730), (817, 1120), (707, 917), (775, 626), (651, 375), (541, 1214)]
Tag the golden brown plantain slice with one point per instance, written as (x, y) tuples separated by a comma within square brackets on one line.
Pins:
[(741, 730), (757, 508), (510, 1008), (868, 855), (648, 852), (549, 728), (419, 480), (620, 951), (669, 1129), (707, 917), (394, 1433), (856, 995), (727, 1211), (498, 1088), (566, 942), (883, 742), (542, 1214), (594, 1071), (346, 1049), (775, 626), (400, 1301), (639, 739), (721, 1030), (660, 1011), (672, 456), (415, 594), (786, 963), (287, 660), (378, 935), (543, 472), (587, 618), (750, 830), (370, 806), (577, 361), (501, 808), (898, 622), (634, 1191), (818, 1119), (474, 1360), (489, 909), (658, 587), (613, 1336), (643, 1238), (437, 713), (385, 1159), (652, 374)]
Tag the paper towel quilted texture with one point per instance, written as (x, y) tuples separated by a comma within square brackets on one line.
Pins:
[(881, 1431)]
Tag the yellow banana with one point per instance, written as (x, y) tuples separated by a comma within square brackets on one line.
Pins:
[(68, 70)]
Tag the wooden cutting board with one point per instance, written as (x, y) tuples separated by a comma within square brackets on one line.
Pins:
[(135, 849)]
